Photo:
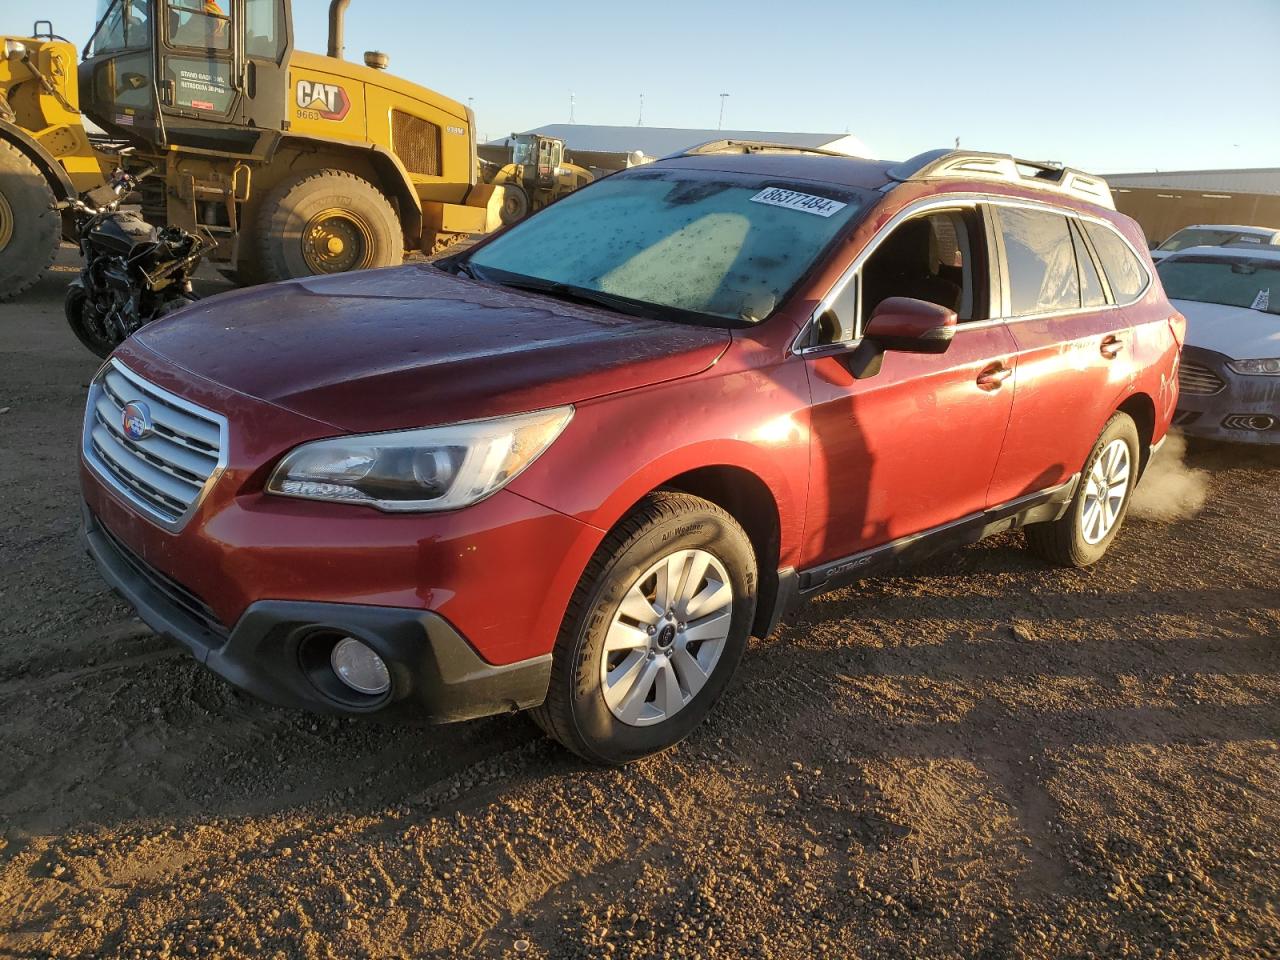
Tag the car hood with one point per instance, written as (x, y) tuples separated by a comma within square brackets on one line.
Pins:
[(1237, 332), (413, 346)]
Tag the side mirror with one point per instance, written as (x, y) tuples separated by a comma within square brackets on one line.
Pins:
[(912, 326)]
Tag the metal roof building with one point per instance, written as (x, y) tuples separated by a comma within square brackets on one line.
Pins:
[(1166, 201), (607, 147), (1257, 180)]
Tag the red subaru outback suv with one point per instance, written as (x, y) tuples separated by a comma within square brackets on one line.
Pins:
[(574, 468)]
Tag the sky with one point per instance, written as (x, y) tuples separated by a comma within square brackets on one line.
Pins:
[(1104, 85)]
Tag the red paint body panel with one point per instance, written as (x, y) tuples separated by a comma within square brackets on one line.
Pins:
[(415, 347), (868, 486), (243, 545)]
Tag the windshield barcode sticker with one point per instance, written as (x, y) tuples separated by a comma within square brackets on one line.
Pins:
[(804, 202), (1263, 300)]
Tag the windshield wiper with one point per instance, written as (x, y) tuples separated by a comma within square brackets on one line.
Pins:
[(585, 295), (464, 268)]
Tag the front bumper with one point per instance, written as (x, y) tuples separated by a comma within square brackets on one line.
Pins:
[(277, 649), (1243, 409)]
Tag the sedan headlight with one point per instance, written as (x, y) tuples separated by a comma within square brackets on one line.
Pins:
[(1264, 368), (435, 468)]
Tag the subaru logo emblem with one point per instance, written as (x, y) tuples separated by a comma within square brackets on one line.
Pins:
[(136, 420)]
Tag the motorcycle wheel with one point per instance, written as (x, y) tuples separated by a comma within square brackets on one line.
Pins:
[(74, 305)]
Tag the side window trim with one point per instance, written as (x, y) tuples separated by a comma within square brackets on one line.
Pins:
[(1079, 218), (1000, 264), (806, 339), (1083, 236)]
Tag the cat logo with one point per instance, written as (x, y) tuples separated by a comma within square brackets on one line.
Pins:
[(322, 101)]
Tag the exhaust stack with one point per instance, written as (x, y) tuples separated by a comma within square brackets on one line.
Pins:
[(337, 33)]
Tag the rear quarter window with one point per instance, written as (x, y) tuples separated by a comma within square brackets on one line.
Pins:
[(1125, 272)]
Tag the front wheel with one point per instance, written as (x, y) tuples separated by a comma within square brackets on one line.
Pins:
[(1083, 534), (29, 225), (86, 328), (654, 632)]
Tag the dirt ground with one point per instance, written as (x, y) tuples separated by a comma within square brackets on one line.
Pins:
[(988, 759)]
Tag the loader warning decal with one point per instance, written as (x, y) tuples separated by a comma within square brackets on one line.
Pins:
[(322, 101)]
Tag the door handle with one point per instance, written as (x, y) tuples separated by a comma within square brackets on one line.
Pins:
[(992, 377), (1111, 346)]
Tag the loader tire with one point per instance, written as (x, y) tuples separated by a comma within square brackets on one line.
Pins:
[(515, 204), (329, 221), (30, 227)]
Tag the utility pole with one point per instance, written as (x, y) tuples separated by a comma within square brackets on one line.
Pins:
[(571, 104), (640, 122), (723, 98)]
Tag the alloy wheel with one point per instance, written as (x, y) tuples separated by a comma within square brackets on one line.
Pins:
[(1104, 491), (666, 637)]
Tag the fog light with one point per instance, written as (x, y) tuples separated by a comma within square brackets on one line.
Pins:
[(359, 667)]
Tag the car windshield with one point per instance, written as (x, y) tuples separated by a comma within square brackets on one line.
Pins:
[(1234, 281), (700, 246), (1208, 238)]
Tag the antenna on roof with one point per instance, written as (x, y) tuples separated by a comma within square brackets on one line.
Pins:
[(571, 104), (723, 98), (640, 122)]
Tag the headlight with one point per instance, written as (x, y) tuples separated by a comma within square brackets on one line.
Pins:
[(435, 468), (1258, 368)]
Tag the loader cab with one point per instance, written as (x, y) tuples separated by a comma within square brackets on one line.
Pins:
[(540, 157), (216, 70)]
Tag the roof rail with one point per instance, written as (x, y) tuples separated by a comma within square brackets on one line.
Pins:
[(753, 146), (969, 164)]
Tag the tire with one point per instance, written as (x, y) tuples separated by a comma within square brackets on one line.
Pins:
[(670, 530), (73, 307), (30, 228), (1079, 539), (299, 214), (515, 204)]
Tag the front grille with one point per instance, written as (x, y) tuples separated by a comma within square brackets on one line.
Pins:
[(1184, 418), (416, 142), (164, 473), (174, 592), (1198, 380)]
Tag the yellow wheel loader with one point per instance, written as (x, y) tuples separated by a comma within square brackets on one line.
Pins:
[(296, 163), (538, 173)]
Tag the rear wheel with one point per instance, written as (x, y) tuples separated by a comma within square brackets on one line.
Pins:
[(29, 226), (654, 632), (1084, 533), (325, 222)]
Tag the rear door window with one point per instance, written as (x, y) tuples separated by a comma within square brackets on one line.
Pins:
[(1125, 273), (1041, 261), (1091, 291)]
